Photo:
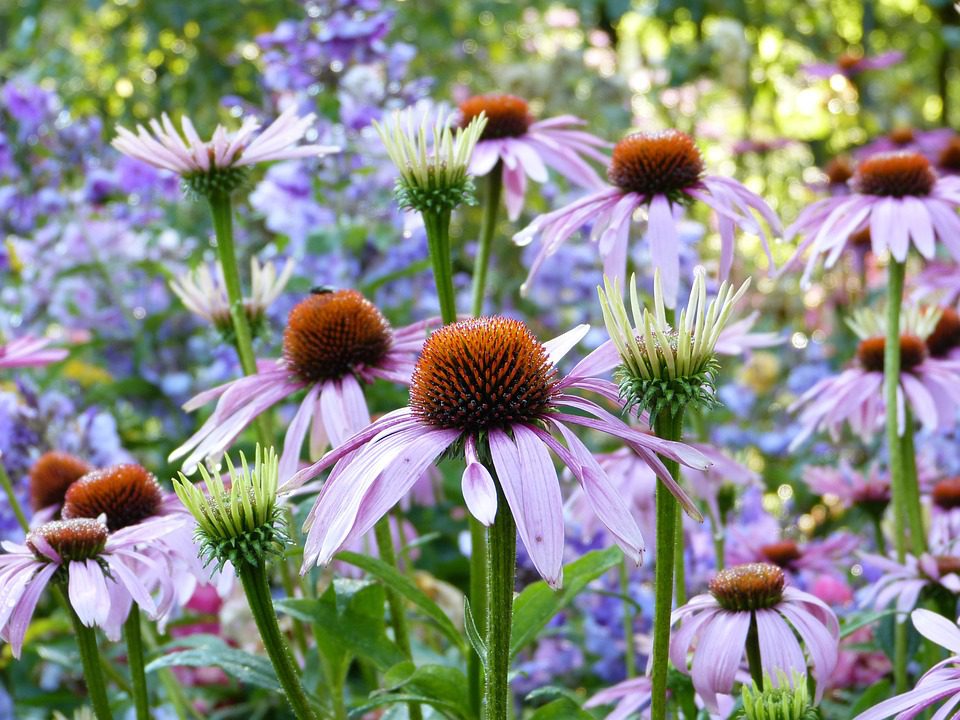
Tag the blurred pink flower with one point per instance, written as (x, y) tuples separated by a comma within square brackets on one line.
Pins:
[(29, 352), (852, 64)]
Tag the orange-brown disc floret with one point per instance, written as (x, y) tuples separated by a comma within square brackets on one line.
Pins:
[(481, 374), (913, 351), (331, 334), (947, 565), (51, 475), (755, 586), (946, 335), (950, 155), (507, 115), (946, 494), (77, 539), (903, 135), (660, 163), (127, 494), (897, 174), (839, 170), (782, 553), (861, 238)]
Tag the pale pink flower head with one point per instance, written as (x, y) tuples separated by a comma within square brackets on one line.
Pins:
[(29, 352), (755, 543), (715, 626), (219, 158), (940, 684), (490, 391), (334, 343), (870, 490), (853, 63), (661, 173), (945, 514), (897, 197), (929, 385), (938, 281), (104, 572), (519, 147), (929, 143), (903, 583)]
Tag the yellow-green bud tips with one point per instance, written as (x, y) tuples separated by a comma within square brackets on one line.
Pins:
[(240, 523), (665, 368), (432, 158), (782, 702)]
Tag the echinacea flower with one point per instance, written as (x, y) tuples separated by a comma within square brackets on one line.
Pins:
[(851, 64), (928, 385), (97, 569), (433, 159), (632, 696), (869, 491), (945, 515), (938, 280), (661, 172), (940, 684), (334, 341), (929, 143), (821, 556), (221, 164), (50, 477), (899, 197), (944, 340), (525, 147), (203, 292), (488, 386), (903, 583), (716, 625), (29, 352)]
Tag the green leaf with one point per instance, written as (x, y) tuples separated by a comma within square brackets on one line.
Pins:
[(448, 709), (446, 685), (537, 605), (871, 696), (348, 622), (211, 651), (857, 622), (406, 587), (473, 635), (562, 709)]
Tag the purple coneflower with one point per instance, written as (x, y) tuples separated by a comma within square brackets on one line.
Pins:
[(164, 147), (929, 143), (940, 683), (791, 556), (662, 172), (334, 342), (633, 695), (904, 582), (50, 477), (851, 64), (29, 352), (928, 384), (870, 490), (945, 515), (97, 566), (753, 600), (490, 387), (898, 197), (526, 147)]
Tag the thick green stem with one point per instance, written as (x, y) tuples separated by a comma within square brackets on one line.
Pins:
[(753, 652), (679, 560), (12, 498), (222, 211), (878, 537), (398, 616), (138, 677), (491, 207), (257, 590), (501, 577), (669, 428), (478, 606), (628, 648), (437, 226), (90, 659), (911, 484)]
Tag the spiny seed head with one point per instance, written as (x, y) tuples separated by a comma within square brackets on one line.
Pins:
[(242, 523), (839, 170), (950, 155), (902, 136), (51, 475), (479, 374), (660, 163), (946, 335), (946, 493), (331, 334), (126, 494), (870, 352), (897, 174), (216, 182), (742, 588), (507, 115), (782, 553), (78, 539)]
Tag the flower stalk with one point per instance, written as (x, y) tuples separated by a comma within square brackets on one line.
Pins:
[(90, 660), (138, 677), (481, 264), (501, 574)]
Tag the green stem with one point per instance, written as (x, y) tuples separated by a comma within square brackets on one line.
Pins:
[(753, 652), (669, 428), (257, 590), (138, 677), (628, 650), (481, 263), (12, 497), (398, 617), (478, 606), (437, 226), (881, 541), (222, 211), (912, 486), (501, 578), (679, 559), (175, 693), (90, 659)]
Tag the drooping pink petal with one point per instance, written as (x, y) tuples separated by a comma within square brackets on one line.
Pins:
[(479, 489)]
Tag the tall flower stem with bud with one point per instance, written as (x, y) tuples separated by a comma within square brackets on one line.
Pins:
[(244, 526), (481, 264), (666, 368)]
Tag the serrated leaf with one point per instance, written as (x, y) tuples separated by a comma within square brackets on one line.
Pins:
[(406, 587), (538, 604), (211, 651)]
